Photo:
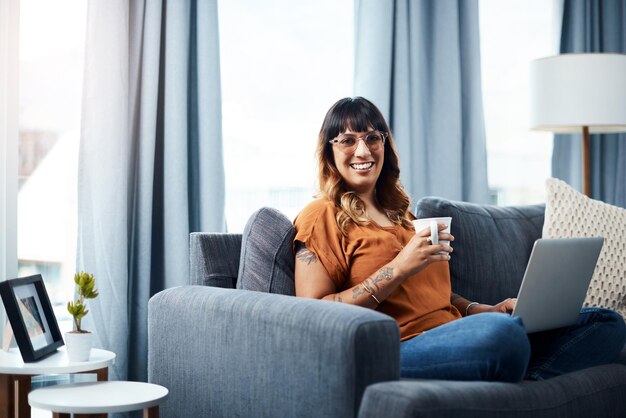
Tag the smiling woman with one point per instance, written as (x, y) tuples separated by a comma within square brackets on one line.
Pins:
[(359, 164), (282, 63)]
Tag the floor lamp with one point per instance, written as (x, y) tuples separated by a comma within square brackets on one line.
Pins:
[(583, 93)]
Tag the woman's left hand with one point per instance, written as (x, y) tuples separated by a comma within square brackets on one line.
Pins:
[(506, 306)]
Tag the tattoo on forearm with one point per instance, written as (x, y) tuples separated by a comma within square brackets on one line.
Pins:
[(304, 254), (357, 291), (337, 298), (384, 274)]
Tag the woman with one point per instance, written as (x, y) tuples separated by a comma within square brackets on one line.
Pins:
[(356, 244)]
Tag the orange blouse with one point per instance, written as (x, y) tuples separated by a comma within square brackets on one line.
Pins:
[(419, 303)]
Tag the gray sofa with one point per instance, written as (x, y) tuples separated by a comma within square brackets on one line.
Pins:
[(230, 352)]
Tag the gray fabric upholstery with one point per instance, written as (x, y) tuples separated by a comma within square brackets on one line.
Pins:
[(267, 259), (491, 247), (236, 353), (622, 357), (594, 392), (214, 259), (231, 352)]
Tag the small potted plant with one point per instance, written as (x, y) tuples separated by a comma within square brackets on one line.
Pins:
[(78, 341)]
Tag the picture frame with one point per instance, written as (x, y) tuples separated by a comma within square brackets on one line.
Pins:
[(31, 317)]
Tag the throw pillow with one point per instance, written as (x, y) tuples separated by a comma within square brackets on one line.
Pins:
[(491, 247), (267, 261), (572, 214)]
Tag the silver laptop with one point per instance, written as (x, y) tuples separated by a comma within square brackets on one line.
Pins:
[(556, 281)]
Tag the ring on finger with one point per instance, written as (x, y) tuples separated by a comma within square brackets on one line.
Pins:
[(429, 240)]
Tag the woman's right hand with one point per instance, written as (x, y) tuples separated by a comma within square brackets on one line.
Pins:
[(419, 252)]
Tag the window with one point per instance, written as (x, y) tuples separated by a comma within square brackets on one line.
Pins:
[(283, 64), (513, 33), (51, 48), (8, 140)]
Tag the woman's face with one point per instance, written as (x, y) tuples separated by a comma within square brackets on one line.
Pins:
[(360, 168)]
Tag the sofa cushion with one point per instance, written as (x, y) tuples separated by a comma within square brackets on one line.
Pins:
[(267, 260), (491, 247), (572, 214), (593, 392)]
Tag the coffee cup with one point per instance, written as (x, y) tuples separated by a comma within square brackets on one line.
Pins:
[(432, 224)]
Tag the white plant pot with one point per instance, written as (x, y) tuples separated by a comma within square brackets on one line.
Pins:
[(78, 345)]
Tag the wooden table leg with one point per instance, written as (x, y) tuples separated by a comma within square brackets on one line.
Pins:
[(21, 389), (102, 375), (14, 390), (152, 412), (6, 395)]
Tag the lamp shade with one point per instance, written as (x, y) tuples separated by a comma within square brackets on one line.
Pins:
[(570, 91)]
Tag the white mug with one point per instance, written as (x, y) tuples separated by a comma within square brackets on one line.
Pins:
[(433, 223)]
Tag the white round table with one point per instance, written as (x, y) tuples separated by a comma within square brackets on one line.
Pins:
[(11, 363), (15, 375), (99, 397)]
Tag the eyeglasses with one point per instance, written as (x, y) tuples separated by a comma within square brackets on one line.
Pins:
[(347, 143)]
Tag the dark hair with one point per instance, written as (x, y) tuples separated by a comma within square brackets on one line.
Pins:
[(359, 114)]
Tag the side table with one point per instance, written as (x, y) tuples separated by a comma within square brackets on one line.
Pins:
[(15, 375), (99, 397)]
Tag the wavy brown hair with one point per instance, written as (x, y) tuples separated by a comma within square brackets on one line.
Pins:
[(359, 115)]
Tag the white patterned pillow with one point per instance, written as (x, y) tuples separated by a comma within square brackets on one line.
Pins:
[(572, 214)]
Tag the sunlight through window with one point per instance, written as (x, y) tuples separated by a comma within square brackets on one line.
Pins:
[(513, 33), (284, 63)]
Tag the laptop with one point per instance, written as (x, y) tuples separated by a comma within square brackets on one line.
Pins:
[(556, 281)]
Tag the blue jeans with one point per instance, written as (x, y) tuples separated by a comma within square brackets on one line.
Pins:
[(495, 347)]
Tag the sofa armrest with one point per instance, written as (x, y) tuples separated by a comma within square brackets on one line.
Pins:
[(228, 352), (214, 259)]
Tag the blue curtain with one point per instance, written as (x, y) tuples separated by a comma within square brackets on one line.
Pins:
[(593, 26), (150, 167), (419, 62)]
